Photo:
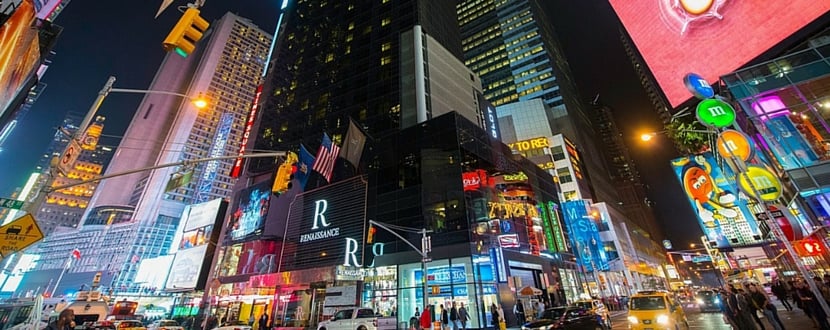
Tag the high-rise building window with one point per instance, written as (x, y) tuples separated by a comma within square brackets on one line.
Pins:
[(385, 21)]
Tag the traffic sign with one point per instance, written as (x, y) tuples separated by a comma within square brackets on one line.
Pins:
[(698, 86), (715, 113), (785, 220), (11, 203), (19, 234), (69, 156)]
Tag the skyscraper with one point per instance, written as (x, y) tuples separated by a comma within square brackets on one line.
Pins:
[(135, 210), (342, 59), (513, 47)]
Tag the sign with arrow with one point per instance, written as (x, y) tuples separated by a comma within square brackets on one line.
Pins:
[(69, 156), (19, 234)]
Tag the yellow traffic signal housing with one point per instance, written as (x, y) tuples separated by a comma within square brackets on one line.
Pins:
[(370, 236), (284, 175), (186, 33)]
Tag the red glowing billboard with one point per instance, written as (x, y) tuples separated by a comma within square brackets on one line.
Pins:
[(19, 52), (708, 37)]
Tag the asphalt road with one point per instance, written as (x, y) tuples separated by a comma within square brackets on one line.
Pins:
[(714, 321)]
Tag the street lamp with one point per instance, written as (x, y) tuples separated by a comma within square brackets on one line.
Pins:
[(199, 102)]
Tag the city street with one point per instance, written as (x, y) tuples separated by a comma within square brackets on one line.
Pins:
[(714, 321)]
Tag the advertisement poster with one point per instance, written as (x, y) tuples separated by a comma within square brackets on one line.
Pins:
[(248, 217), (584, 236), (184, 273), (709, 37), (724, 215), (19, 52)]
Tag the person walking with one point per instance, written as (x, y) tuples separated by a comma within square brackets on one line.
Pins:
[(540, 309), (445, 318), (426, 319), (454, 316), (732, 309), (494, 315), (746, 307), (263, 321), (519, 311), (463, 316), (759, 299), (811, 305), (779, 289)]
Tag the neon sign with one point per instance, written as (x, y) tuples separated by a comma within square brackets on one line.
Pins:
[(319, 220), (237, 165), (509, 210), (216, 150), (530, 144)]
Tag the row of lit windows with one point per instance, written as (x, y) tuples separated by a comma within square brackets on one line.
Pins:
[(476, 40)]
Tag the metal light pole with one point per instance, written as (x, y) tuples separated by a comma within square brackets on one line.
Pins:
[(76, 136), (426, 248)]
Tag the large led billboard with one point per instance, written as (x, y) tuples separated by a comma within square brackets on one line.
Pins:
[(584, 234), (19, 52), (723, 212), (195, 249), (326, 227), (708, 37), (251, 210)]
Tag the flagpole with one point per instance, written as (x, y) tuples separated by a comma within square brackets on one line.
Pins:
[(66, 266)]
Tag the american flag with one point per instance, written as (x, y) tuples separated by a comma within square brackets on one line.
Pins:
[(326, 155)]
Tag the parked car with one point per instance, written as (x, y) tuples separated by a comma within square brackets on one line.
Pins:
[(129, 325), (596, 306), (358, 319), (165, 325), (571, 317)]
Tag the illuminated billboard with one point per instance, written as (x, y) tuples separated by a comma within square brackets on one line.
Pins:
[(584, 234), (724, 215), (19, 52), (193, 257), (708, 37), (326, 227), (248, 217)]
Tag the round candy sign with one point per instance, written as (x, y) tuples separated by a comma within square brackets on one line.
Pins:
[(715, 113), (698, 86)]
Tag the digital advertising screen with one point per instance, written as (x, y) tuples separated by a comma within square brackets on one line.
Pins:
[(201, 215), (708, 37), (19, 52), (725, 217), (248, 217), (194, 251), (584, 235), (326, 227)]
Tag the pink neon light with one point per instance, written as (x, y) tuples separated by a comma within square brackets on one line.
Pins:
[(770, 106)]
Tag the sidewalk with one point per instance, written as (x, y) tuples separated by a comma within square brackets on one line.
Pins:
[(795, 319)]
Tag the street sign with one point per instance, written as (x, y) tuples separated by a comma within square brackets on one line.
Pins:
[(19, 234), (699, 259), (715, 113), (785, 220), (11, 203), (69, 156), (764, 181)]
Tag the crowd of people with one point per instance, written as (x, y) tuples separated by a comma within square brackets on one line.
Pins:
[(746, 305)]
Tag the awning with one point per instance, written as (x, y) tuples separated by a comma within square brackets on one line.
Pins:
[(530, 291)]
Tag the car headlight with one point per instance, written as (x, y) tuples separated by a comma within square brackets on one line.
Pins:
[(699, 301), (662, 319), (633, 320), (717, 300)]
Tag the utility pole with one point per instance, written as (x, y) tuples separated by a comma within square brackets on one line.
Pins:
[(426, 248)]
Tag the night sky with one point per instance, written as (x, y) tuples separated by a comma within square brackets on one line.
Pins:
[(121, 38)]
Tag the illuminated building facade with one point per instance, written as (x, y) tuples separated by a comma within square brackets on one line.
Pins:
[(135, 210)]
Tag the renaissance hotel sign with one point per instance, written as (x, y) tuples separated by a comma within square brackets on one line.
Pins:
[(325, 226)]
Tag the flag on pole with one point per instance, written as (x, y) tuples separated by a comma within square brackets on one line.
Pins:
[(76, 254), (353, 145), (326, 155), (304, 164)]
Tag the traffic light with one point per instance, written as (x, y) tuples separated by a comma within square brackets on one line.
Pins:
[(370, 237), (186, 33), (285, 173)]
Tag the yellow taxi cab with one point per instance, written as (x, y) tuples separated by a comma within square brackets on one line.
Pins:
[(129, 325), (653, 310)]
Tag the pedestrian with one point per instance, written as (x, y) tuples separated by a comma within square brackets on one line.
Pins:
[(426, 319), (263, 321), (463, 316), (494, 315), (732, 309), (540, 309), (454, 316), (761, 302), (779, 289), (445, 318), (519, 311), (746, 307), (811, 304), (65, 321)]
